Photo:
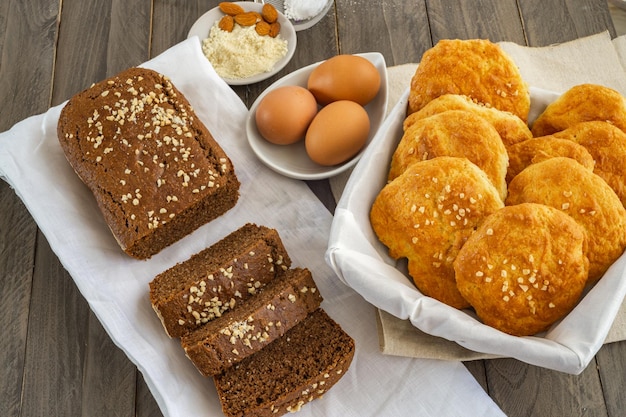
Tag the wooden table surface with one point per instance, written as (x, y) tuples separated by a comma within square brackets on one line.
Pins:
[(55, 357)]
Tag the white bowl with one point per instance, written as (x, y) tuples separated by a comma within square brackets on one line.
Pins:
[(292, 160), (203, 25), (305, 24)]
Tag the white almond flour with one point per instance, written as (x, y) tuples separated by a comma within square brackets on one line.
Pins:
[(243, 52), (303, 9)]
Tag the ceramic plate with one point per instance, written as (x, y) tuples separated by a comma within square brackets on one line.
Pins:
[(305, 24), (292, 160), (203, 25)]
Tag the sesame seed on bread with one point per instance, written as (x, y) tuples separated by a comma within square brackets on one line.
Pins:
[(288, 373), (510, 127), (524, 268), (215, 280), (153, 167), (566, 185), (457, 133), (252, 325), (477, 68), (427, 213)]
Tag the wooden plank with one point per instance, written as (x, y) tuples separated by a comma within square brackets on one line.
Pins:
[(98, 38), (145, 406), (484, 19), (30, 28), (53, 378), (29, 93), (577, 18), (611, 362), (109, 376), (116, 35), (525, 390), (172, 21), (477, 369), (397, 29), (17, 252)]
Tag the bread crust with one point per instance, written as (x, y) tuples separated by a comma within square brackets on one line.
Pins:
[(217, 279), (290, 372), (153, 167), (536, 150), (607, 146), (524, 268), (511, 128), (476, 68), (566, 185), (582, 103), (456, 133), (253, 325), (426, 215)]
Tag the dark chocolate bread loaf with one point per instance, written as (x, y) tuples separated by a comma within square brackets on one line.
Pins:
[(218, 278), (288, 373), (252, 325), (154, 169)]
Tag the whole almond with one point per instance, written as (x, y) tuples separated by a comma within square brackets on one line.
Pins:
[(230, 8), (269, 13), (226, 23), (247, 18), (262, 28), (274, 29)]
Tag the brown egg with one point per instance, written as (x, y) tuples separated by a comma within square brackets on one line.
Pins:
[(337, 133), (284, 114), (344, 77)]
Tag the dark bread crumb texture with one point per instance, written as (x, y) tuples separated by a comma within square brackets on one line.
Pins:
[(155, 170), (290, 372), (255, 324), (278, 307), (217, 279)]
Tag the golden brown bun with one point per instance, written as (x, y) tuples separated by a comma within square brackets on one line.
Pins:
[(476, 68), (582, 103), (607, 145), (454, 133), (524, 268), (511, 128), (427, 213), (539, 149), (566, 185)]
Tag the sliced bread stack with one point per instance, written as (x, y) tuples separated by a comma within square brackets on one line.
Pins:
[(253, 323)]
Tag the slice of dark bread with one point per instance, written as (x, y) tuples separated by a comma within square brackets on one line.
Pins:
[(153, 167), (215, 280), (249, 327), (291, 371)]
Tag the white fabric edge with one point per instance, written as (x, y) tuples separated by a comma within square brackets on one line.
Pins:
[(360, 260)]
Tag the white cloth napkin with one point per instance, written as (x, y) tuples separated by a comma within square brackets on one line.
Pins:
[(417, 326), (116, 286)]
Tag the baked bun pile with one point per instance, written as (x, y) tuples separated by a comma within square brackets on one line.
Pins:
[(534, 150), (524, 268), (510, 221), (427, 213), (607, 146), (566, 185), (475, 68), (582, 103), (454, 133), (511, 128)]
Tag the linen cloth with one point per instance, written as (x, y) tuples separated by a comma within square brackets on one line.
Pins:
[(116, 286), (550, 71)]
